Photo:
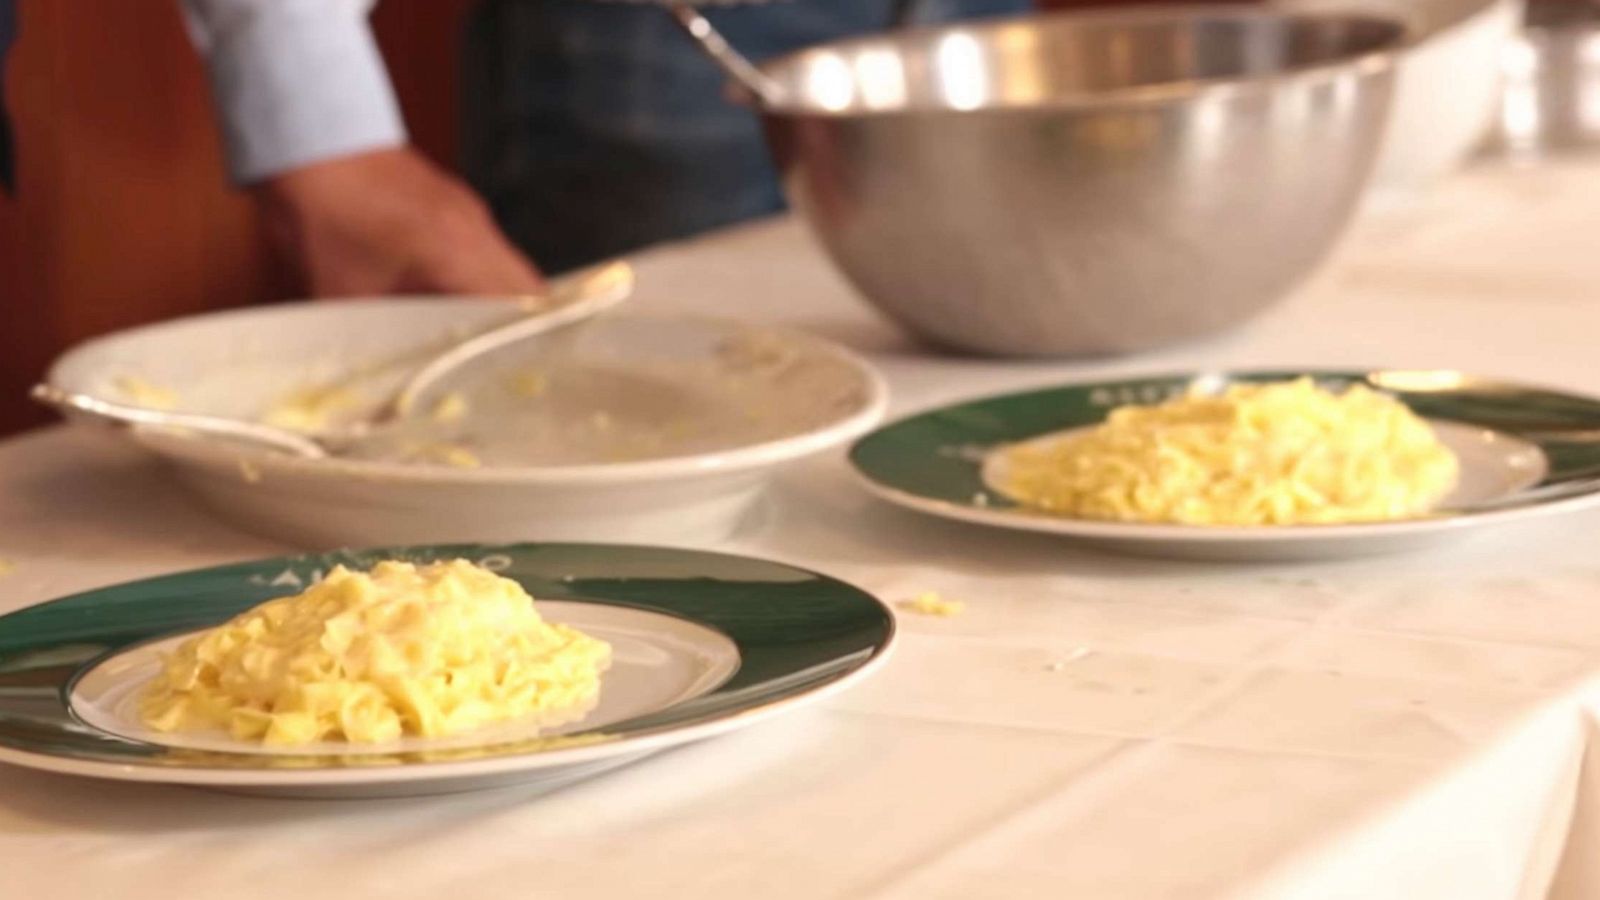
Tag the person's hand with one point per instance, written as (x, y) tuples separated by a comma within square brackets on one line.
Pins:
[(389, 222)]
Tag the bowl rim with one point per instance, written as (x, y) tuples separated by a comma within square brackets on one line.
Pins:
[(1404, 33), (761, 454)]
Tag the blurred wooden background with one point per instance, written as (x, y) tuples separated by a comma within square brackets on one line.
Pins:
[(122, 214)]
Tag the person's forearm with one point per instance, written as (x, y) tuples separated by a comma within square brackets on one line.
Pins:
[(295, 81), (313, 129)]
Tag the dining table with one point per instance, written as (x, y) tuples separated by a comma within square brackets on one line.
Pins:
[(1417, 724)]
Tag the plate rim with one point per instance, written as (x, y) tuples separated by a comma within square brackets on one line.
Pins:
[(642, 742), (859, 420), (1017, 518)]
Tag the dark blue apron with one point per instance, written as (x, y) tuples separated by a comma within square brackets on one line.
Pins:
[(597, 128)]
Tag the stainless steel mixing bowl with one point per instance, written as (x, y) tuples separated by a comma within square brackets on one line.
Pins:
[(1083, 182)]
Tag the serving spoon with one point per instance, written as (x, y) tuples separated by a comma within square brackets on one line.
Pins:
[(570, 300)]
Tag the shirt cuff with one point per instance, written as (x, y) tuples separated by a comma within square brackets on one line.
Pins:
[(295, 83)]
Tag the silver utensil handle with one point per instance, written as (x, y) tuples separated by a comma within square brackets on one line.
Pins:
[(214, 426), (734, 63), (572, 300)]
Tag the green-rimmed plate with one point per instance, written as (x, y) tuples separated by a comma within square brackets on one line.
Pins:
[(1524, 451), (702, 643)]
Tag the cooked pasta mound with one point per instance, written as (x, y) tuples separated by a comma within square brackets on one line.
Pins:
[(428, 651), (1275, 453)]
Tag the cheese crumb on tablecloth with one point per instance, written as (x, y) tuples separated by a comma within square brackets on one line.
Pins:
[(929, 603)]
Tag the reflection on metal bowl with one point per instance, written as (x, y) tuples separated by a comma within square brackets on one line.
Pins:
[(1084, 182)]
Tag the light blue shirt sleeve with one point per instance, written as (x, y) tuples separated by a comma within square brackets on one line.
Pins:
[(295, 81)]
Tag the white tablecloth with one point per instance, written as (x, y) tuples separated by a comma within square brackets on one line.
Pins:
[(1091, 727)]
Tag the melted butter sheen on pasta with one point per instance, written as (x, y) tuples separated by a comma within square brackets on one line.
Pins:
[(427, 651), (1257, 454)]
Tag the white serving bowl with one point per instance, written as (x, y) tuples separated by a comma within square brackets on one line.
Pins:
[(737, 400), (1447, 85)]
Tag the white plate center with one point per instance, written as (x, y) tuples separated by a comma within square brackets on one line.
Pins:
[(658, 661)]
